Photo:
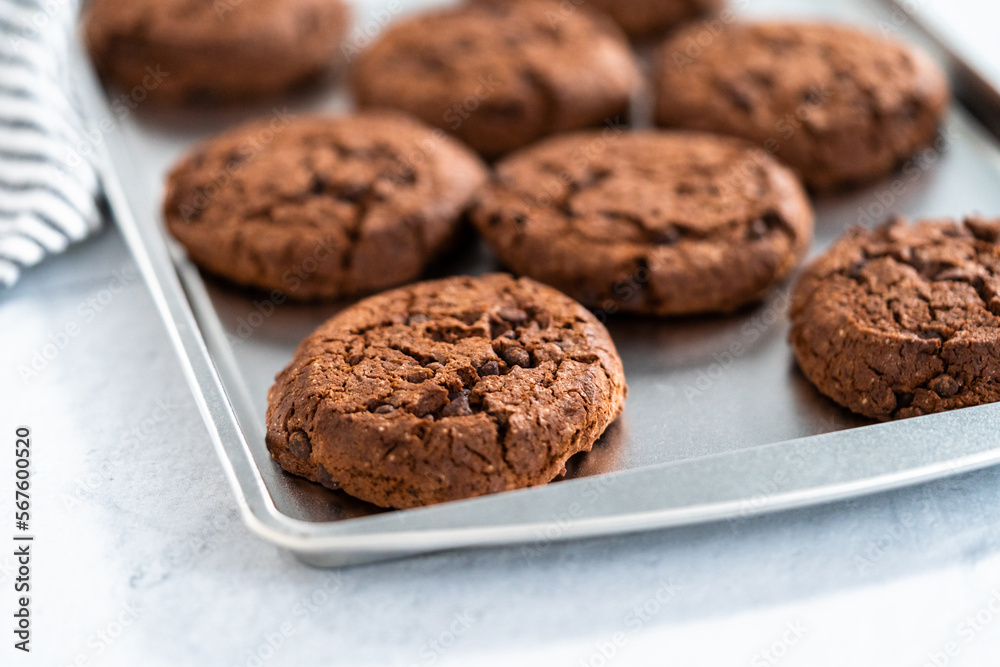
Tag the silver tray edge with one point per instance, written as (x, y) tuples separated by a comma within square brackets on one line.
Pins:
[(841, 465)]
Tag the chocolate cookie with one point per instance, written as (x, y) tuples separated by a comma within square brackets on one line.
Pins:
[(640, 18), (445, 390), (221, 51), (322, 207), (664, 223), (904, 320), (500, 76), (840, 106)]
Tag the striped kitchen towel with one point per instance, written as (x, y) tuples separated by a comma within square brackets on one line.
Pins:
[(49, 192)]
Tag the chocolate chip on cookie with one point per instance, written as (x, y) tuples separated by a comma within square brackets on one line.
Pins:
[(904, 320), (840, 106), (445, 390), (663, 223), (500, 76), (179, 51), (322, 207)]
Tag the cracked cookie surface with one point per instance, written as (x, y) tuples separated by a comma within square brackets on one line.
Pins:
[(500, 76), (444, 390), (663, 223), (322, 207), (213, 51), (904, 320), (840, 106)]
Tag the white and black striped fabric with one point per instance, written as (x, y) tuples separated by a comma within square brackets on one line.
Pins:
[(48, 187)]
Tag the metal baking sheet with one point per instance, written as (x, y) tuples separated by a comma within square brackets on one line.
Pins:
[(719, 423)]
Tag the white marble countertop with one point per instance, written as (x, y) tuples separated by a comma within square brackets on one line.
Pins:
[(140, 557)]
